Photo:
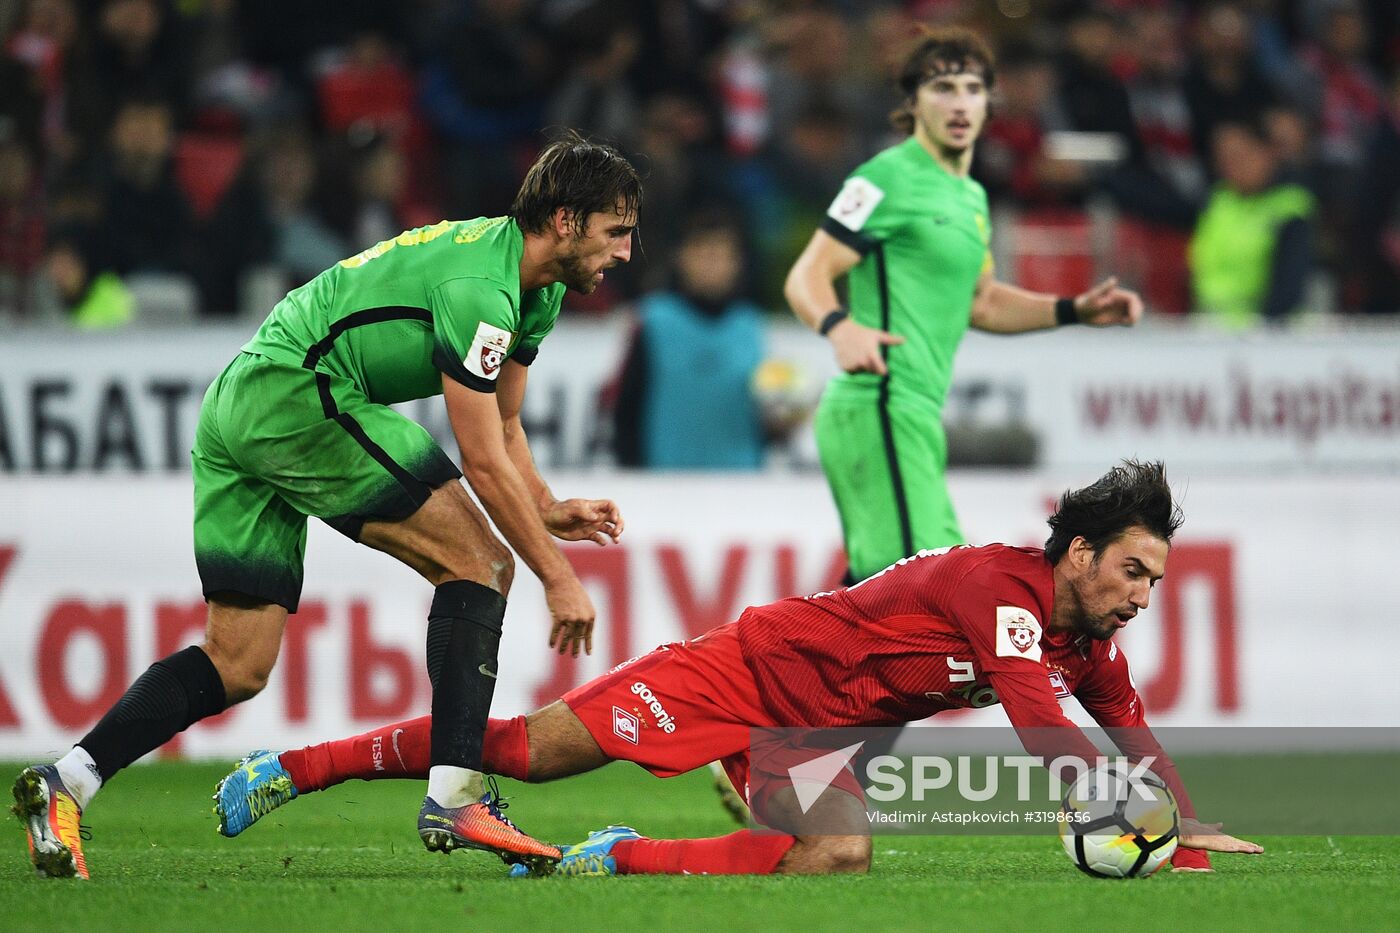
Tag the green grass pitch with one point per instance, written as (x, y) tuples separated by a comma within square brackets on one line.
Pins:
[(348, 859)]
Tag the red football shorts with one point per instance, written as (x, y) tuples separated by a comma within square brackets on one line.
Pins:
[(685, 705)]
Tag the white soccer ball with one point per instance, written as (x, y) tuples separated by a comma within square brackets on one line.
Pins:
[(785, 393), (1117, 823)]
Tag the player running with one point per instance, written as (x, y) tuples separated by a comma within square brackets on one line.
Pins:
[(927, 634), (298, 426), (911, 231)]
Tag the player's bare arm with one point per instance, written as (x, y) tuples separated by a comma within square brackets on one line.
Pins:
[(1002, 308), (811, 293), (596, 520), (507, 498)]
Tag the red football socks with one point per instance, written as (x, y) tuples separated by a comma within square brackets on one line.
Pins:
[(741, 853), (401, 750)]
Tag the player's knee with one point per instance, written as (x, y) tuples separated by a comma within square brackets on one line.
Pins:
[(243, 679), (845, 855), (244, 675), (502, 568), (489, 563)]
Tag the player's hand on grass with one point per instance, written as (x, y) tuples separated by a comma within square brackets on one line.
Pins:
[(858, 347), (1198, 835), (596, 520), (1106, 304), (573, 615)]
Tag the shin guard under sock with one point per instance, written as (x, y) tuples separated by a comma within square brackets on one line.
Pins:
[(173, 694), (464, 637)]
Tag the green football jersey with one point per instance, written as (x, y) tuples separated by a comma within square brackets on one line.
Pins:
[(439, 299), (923, 235)]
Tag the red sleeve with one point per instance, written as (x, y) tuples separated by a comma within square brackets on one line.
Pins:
[(1110, 697), (1035, 714), (997, 613)]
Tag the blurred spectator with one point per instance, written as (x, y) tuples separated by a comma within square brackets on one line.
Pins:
[(813, 67), (21, 213), (1348, 93), (680, 40), (483, 89), (91, 299), (790, 198), (135, 50), (1093, 97), (1095, 100), (1294, 138), (594, 95), (1011, 159), (365, 89), (21, 104), (1223, 83), (46, 43), (426, 109), (228, 90), (684, 397), (303, 244), (1158, 100), (141, 198), (1251, 254), (1375, 240), (676, 153)]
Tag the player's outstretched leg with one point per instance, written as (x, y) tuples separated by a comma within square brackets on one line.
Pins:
[(395, 750), (50, 815), (593, 856), (173, 693), (255, 787)]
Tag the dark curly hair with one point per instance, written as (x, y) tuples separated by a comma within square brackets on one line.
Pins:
[(1131, 494), (580, 176)]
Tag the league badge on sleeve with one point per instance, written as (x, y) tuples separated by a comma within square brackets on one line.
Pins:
[(1018, 633), (488, 351), (856, 202)]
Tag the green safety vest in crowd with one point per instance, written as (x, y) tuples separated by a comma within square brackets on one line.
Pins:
[(1232, 251)]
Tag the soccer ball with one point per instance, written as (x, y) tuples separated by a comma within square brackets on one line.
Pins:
[(785, 395), (1114, 827)]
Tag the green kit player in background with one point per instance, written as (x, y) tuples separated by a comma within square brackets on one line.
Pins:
[(298, 426), (911, 229)]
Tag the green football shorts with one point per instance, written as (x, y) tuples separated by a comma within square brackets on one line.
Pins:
[(277, 443), (885, 462)]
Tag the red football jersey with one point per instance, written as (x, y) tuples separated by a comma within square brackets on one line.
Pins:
[(953, 628)]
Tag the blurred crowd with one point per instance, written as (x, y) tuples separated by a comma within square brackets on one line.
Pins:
[(193, 159)]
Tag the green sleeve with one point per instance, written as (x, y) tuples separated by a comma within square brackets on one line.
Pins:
[(474, 322), (864, 212)]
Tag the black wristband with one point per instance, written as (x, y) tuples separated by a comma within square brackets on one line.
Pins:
[(831, 320), (1065, 312)]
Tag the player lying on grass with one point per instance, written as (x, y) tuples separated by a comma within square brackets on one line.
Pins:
[(927, 634)]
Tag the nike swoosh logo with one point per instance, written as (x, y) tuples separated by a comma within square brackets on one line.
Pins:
[(394, 740), (483, 669)]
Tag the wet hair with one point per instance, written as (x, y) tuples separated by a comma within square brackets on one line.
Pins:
[(945, 50), (1131, 494), (580, 176)]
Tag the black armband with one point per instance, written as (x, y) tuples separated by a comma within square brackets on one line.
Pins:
[(1065, 312), (831, 320)]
